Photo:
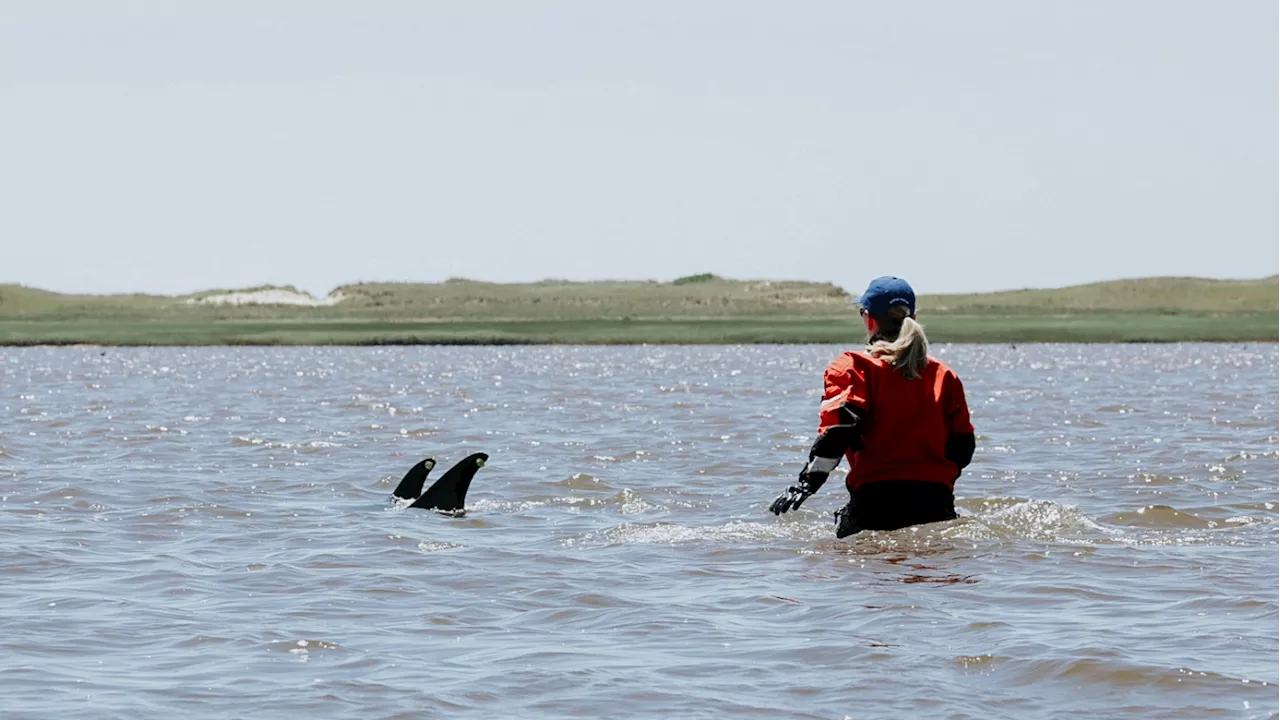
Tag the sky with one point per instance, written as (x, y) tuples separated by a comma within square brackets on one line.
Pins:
[(169, 147)]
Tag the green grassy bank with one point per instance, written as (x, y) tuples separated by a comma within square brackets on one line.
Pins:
[(705, 309), (944, 328)]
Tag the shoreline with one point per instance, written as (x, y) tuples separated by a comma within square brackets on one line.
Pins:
[(702, 309), (990, 329)]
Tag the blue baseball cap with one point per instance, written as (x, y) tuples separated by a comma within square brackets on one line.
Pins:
[(885, 292)]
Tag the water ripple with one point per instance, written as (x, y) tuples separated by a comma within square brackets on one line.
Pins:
[(207, 532)]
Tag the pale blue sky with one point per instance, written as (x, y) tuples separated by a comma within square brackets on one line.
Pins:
[(175, 146)]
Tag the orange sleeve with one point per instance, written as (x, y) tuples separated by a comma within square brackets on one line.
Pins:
[(957, 407), (844, 382)]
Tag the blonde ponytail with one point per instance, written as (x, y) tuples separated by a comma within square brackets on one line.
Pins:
[(900, 341)]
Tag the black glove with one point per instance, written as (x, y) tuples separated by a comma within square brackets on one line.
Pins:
[(824, 456), (795, 495)]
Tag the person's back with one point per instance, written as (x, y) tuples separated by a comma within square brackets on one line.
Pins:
[(899, 416), (906, 422)]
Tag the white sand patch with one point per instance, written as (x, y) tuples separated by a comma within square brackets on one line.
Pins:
[(269, 297)]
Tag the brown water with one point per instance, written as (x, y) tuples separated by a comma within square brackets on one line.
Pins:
[(206, 533)]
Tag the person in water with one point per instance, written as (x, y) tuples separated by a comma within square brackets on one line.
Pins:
[(898, 415)]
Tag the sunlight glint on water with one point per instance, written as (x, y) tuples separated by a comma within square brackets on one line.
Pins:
[(206, 532)]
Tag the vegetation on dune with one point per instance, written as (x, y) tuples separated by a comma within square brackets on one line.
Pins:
[(258, 288), (696, 308), (17, 301), (1164, 295), (584, 300), (690, 279), (467, 300)]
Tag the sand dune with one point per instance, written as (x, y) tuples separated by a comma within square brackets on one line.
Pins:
[(270, 297)]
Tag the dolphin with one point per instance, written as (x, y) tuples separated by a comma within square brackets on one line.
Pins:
[(449, 494), (411, 486)]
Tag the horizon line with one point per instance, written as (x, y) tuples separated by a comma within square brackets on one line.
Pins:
[(567, 281)]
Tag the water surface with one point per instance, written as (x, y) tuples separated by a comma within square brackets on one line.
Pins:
[(206, 532)]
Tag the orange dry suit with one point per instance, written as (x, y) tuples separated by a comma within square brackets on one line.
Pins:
[(906, 440)]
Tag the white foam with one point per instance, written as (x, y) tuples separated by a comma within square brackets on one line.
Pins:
[(733, 531), (436, 546)]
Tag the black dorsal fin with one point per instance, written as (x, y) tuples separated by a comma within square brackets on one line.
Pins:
[(449, 493), (410, 486)]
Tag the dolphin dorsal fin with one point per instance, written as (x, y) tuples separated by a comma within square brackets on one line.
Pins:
[(410, 486), (449, 493)]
